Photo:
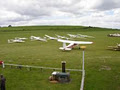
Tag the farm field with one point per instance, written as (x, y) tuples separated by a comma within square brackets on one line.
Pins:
[(102, 66)]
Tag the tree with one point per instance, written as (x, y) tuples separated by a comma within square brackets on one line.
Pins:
[(9, 25)]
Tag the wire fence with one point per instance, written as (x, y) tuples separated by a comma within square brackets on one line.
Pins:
[(39, 67)]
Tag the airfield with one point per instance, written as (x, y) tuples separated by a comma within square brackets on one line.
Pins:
[(102, 66)]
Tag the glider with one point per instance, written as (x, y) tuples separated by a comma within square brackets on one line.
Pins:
[(63, 37), (80, 36), (15, 41), (85, 36), (20, 38), (52, 38), (73, 36), (38, 38)]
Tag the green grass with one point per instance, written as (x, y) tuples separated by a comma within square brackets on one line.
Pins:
[(101, 65)]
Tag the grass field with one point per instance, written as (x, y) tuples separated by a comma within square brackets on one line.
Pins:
[(102, 66)]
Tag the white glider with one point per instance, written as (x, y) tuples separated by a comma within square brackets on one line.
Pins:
[(15, 41), (52, 38), (62, 37), (73, 36), (85, 36), (80, 36), (21, 38), (71, 44), (38, 38)]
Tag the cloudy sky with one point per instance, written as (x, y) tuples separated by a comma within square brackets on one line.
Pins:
[(99, 13)]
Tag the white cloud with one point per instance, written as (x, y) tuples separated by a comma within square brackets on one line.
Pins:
[(103, 13)]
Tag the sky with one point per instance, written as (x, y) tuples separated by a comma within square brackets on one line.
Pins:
[(97, 13)]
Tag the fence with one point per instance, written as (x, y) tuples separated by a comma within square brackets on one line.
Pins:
[(40, 67)]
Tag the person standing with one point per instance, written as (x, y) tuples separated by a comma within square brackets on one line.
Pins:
[(2, 82)]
